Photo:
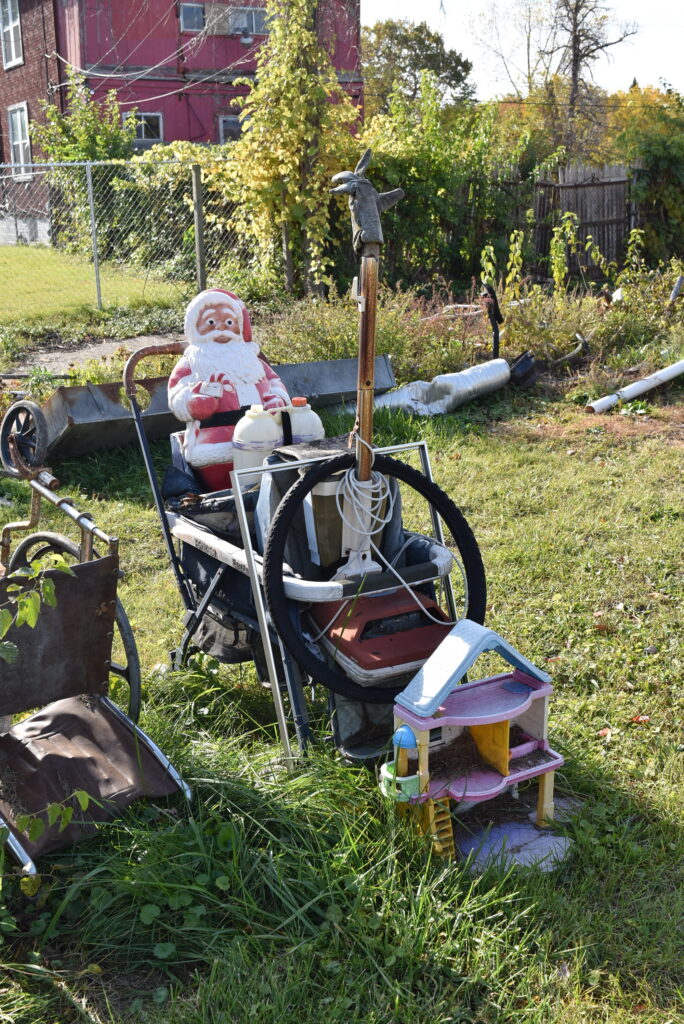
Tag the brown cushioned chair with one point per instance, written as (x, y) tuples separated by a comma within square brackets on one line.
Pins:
[(80, 740)]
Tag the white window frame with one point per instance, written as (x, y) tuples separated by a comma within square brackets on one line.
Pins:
[(20, 168), (138, 117), (183, 7), (10, 28), (250, 23), (221, 132)]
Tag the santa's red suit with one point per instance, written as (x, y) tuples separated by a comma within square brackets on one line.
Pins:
[(219, 376)]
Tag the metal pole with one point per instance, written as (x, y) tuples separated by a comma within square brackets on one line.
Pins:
[(93, 233), (200, 254)]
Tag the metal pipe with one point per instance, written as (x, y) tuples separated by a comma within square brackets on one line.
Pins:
[(93, 231), (638, 388), (262, 616)]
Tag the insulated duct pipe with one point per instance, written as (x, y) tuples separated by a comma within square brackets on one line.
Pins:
[(638, 388), (445, 393)]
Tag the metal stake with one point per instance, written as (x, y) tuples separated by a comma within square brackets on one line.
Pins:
[(93, 233)]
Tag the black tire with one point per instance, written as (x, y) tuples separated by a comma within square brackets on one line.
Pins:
[(128, 666), (287, 622), (26, 422)]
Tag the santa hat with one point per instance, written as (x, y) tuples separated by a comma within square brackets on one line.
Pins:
[(214, 295)]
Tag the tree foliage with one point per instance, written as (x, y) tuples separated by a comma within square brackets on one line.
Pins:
[(394, 56), (449, 175), (299, 123), (89, 130), (652, 139)]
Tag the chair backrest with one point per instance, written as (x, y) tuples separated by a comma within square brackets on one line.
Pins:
[(68, 651)]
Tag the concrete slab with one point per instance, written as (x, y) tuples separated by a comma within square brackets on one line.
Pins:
[(512, 844)]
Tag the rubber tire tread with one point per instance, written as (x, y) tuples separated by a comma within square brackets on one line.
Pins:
[(41, 429), (64, 545), (274, 556)]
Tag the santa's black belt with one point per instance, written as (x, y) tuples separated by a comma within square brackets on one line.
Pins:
[(229, 419), (224, 419)]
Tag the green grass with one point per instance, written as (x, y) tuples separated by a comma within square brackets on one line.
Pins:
[(303, 898), (38, 282)]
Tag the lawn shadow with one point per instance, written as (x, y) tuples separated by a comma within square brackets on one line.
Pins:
[(612, 907)]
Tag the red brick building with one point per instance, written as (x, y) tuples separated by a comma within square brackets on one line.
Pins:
[(175, 63)]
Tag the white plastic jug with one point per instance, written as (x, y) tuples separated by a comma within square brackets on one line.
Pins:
[(255, 437), (306, 424)]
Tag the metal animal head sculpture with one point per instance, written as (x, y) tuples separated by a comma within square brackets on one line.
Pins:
[(365, 203)]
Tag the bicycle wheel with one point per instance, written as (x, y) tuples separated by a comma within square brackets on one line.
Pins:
[(26, 422), (288, 617), (124, 669)]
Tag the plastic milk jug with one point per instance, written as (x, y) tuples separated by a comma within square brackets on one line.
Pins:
[(255, 437), (306, 424)]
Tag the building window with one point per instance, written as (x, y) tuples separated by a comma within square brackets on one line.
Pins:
[(249, 21), (191, 17), (20, 144), (229, 128), (10, 28), (149, 129)]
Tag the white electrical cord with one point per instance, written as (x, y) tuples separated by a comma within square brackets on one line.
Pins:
[(366, 499)]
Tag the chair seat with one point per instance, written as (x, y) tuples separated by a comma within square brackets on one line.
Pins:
[(78, 743)]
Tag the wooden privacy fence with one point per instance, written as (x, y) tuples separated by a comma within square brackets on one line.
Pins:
[(601, 198)]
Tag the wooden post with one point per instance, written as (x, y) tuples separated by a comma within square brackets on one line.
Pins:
[(366, 380)]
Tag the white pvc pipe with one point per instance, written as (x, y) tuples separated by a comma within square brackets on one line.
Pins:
[(638, 388)]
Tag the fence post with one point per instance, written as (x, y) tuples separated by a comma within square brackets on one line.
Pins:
[(200, 255), (93, 233)]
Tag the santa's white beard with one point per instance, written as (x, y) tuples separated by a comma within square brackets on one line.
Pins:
[(238, 361)]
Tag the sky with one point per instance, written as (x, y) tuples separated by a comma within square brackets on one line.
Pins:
[(654, 53)]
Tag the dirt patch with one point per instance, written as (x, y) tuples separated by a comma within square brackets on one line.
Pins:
[(59, 359), (460, 757), (667, 423)]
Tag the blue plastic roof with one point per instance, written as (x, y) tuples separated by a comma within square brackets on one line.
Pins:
[(449, 663)]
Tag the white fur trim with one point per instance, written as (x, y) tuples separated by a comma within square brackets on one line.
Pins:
[(210, 454), (248, 394), (178, 401), (204, 299)]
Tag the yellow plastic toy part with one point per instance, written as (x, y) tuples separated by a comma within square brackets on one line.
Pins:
[(493, 743)]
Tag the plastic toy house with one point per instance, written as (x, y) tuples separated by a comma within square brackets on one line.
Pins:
[(468, 742)]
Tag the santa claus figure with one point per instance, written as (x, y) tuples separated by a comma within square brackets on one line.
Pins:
[(218, 378)]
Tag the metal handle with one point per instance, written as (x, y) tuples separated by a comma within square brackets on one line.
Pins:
[(171, 348)]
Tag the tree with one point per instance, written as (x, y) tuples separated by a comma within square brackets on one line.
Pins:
[(299, 123), (89, 130), (521, 37), (583, 36), (396, 53)]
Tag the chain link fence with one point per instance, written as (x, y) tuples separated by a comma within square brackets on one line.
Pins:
[(120, 231)]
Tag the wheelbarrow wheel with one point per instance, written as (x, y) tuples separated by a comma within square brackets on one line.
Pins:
[(125, 665), (287, 618), (25, 421)]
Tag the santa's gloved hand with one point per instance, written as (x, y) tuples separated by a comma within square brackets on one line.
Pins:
[(204, 405), (273, 402)]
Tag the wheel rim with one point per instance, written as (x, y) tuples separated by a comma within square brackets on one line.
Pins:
[(287, 619), (22, 427)]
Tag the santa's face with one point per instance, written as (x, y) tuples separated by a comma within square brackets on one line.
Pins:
[(218, 322)]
